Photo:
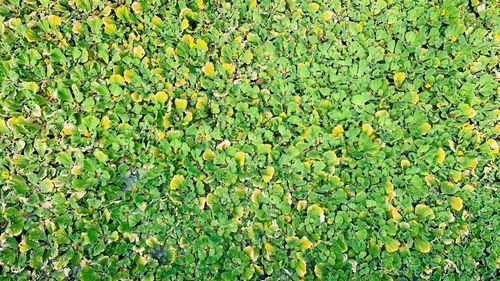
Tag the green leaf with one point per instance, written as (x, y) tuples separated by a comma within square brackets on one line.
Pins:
[(422, 246), (392, 245), (100, 156), (19, 185)]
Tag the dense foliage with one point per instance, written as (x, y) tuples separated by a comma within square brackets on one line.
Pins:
[(249, 140)]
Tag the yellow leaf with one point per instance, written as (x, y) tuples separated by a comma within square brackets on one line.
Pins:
[(54, 20), (202, 102), (394, 212), (425, 128), (202, 44), (422, 246), (128, 75), (331, 158), (138, 51), (106, 11), (367, 128), (156, 21), (199, 4), (255, 195), (327, 15), (161, 96), (389, 186), (160, 136), (137, 7), (302, 204), (176, 182), (210, 200), (14, 22), (152, 241), (473, 163), (267, 174), (269, 249), (105, 122), (240, 158), (68, 129), (467, 127), (180, 82), (110, 29), (338, 130), (469, 188), (249, 56), (441, 155), (456, 176), (493, 146), (359, 25), (186, 12), (399, 77), (429, 179), (23, 248), (301, 268), (208, 155), (316, 211), (181, 104), (424, 212), (251, 253), (173, 254), (456, 203), (107, 20), (208, 68), (123, 13), (76, 169), (77, 27), (135, 97), (31, 35), (32, 86), (117, 79), (238, 212), (141, 260), (392, 245), (381, 113), (230, 68), (184, 24), (305, 243)]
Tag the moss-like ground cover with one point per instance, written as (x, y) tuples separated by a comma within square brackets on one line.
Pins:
[(249, 140)]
